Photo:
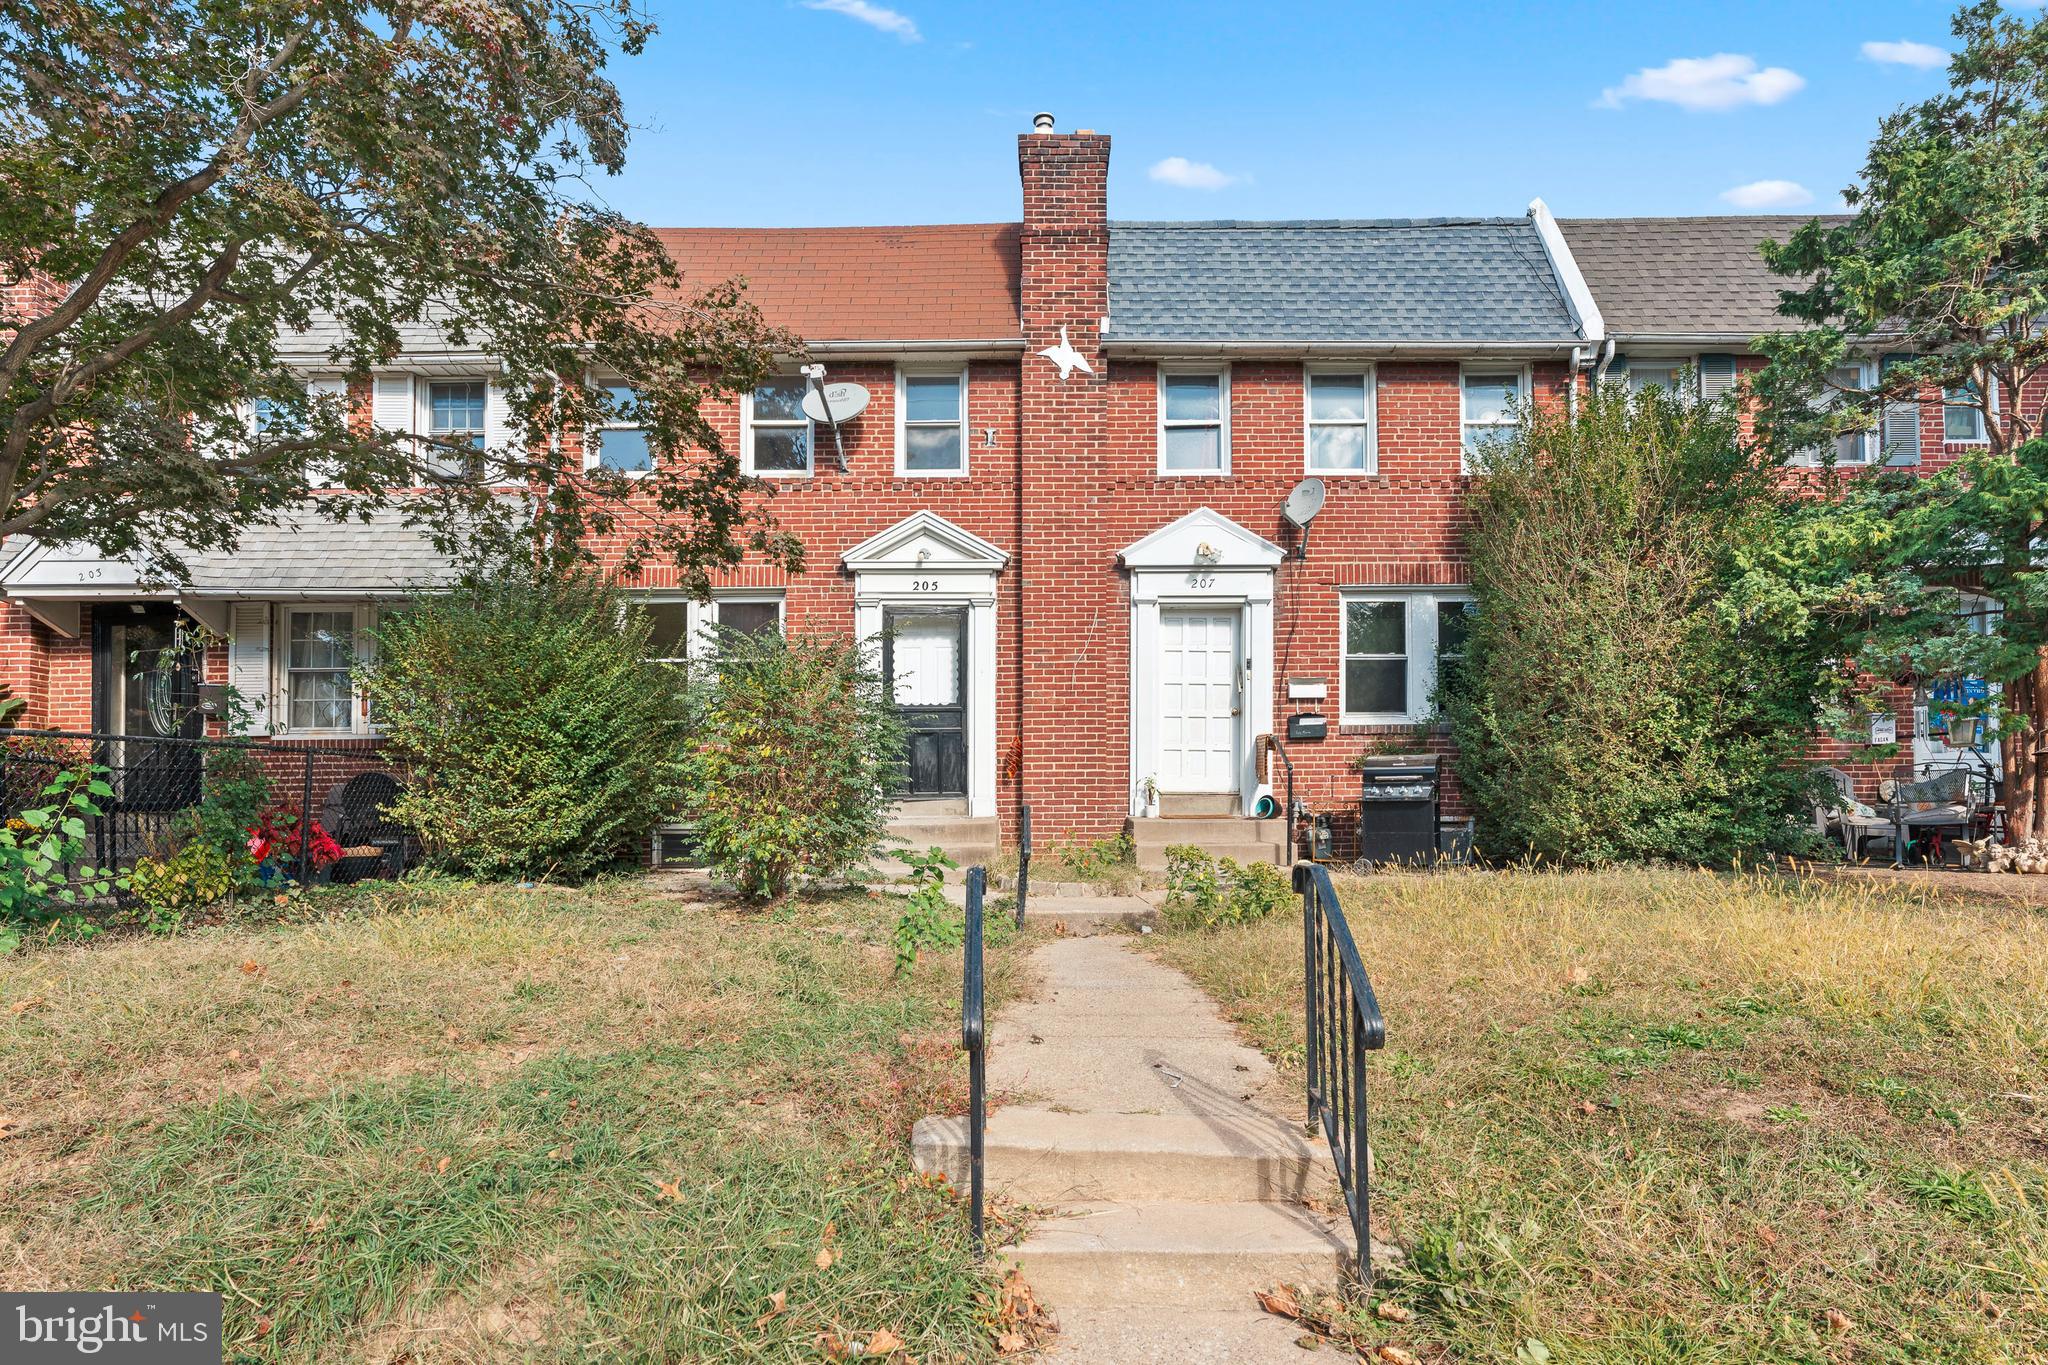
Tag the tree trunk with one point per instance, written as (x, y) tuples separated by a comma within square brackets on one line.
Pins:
[(2023, 749)]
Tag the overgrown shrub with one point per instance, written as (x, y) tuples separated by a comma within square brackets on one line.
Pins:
[(234, 792), (928, 919), (794, 747), (43, 876), (1207, 892), (540, 740), (168, 890), (1613, 705)]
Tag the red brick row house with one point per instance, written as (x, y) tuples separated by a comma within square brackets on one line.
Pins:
[(1062, 505)]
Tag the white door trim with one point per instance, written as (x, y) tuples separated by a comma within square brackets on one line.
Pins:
[(926, 561), (1201, 560)]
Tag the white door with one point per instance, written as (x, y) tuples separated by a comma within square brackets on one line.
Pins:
[(1199, 701)]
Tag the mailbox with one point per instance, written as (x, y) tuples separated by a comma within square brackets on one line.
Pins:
[(1308, 725)]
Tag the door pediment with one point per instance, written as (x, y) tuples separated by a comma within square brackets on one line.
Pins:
[(1203, 539), (925, 541)]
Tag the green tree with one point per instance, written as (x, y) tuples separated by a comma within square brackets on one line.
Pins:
[(1610, 705), (538, 738), (182, 180), (1943, 268)]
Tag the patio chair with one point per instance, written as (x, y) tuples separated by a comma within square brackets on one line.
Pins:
[(1945, 801), (372, 843), (1848, 819)]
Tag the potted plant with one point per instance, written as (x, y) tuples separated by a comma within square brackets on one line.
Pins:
[(1150, 789)]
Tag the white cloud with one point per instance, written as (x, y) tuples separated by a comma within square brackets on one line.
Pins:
[(1722, 81), (1925, 56), (874, 16), (1769, 194), (1190, 175)]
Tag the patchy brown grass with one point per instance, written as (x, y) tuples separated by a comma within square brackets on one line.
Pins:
[(1665, 1116), (436, 1124)]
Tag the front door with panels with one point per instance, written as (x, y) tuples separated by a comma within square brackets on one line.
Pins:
[(924, 654), (1200, 700)]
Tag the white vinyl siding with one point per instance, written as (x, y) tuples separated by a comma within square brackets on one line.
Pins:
[(1340, 409), (1194, 421)]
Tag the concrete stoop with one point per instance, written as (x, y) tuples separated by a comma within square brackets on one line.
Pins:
[(1082, 916), (1166, 1191), (1246, 840), (915, 827)]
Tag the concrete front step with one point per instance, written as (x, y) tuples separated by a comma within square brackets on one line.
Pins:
[(1175, 804), (1237, 1334), (1082, 916), (1178, 1253), (1204, 830), (1042, 1156), (1154, 859), (921, 834)]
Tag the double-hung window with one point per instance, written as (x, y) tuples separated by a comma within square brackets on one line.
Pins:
[(1340, 421), (1489, 395), (455, 416), (320, 649), (1654, 374), (1194, 421), (778, 435), (1397, 644), (1962, 416), (682, 629), (933, 439), (1851, 448), (620, 443)]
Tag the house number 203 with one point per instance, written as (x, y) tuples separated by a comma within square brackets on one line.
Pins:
[(1199, 579)]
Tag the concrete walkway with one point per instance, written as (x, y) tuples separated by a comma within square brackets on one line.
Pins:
[(1152, 1138)]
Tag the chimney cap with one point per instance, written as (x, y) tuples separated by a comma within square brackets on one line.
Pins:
[(1041, 123)]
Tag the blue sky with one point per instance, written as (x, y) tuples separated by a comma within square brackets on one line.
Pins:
[(807, 112)]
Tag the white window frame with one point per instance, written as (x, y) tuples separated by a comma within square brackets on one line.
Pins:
[(1872, 438), (1371, 420), (1420, 619), (364, 616), (1677, 365), (904, 374), (1522, 395), (658, 598), (747, 424), (593, 439), (1222, 423), (423, 408), (1983, 436), (704, 615)]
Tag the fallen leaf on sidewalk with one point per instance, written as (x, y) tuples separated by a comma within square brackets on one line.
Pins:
[(1280, 1303)]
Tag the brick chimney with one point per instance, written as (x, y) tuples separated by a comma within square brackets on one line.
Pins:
[(1073, 704)]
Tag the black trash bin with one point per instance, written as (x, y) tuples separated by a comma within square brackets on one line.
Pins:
[(1397, 810)]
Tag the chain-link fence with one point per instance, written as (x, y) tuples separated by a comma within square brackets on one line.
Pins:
[(309, 811)]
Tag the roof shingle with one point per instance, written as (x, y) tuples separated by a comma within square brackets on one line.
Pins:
[(1388, 280), (1683, 277)]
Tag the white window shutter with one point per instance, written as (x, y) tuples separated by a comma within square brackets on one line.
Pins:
[(501, 434), (249, 670), (1617, 371), (1901, 429)]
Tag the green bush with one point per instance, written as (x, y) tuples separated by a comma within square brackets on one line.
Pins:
[(234, 792), (539, 739), (43, 881), (1208, 892), (794, 748), (1612, 704), (928, 919), (168, 890)]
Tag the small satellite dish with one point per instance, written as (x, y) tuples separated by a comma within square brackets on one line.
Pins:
[(835, 403), (1301, 507)]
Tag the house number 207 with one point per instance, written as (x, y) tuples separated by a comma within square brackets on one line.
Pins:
[(1201, 580)]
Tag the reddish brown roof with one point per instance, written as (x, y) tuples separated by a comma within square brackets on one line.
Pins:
[(956, 282)]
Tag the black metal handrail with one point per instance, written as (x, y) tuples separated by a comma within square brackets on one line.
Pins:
[(973, 1039), (1344, 1023), (1023, 861)]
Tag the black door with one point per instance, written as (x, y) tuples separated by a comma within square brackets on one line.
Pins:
[(924, 654), (150, 692)]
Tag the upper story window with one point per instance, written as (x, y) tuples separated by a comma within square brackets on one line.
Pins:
[(1655, 374), (1396, 646), (620, 444), (1340, 421), (777, 439), (933, 434), (1857, 447), (1194, 421), (456, 411), (1962, 418), (1490, 395)]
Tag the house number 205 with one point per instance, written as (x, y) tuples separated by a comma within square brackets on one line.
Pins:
[(924, 585)]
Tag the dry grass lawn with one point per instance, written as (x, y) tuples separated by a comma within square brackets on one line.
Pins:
[(444, 1123), (1674, 1116)]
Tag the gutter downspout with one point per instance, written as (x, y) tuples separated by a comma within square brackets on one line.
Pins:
[(1606, 359), (1571, 388)]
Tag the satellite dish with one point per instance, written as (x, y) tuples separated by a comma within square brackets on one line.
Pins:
[(1304, 502), (1301, 507), (834, 403)]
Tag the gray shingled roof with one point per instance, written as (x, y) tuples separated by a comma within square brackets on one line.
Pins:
[(299, 553), (1683, 277), (1393, 280)]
